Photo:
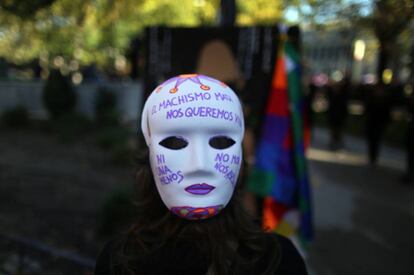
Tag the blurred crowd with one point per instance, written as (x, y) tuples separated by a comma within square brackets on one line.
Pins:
[(379, 105)]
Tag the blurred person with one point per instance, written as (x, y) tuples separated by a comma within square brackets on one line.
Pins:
[(409, 175), (337, 94), (190, 218), (309, 98), (377, 115)]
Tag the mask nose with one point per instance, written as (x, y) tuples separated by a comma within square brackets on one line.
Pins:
[(200, 161)]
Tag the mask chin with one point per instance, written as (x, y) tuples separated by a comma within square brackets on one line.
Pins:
[(196, 213)]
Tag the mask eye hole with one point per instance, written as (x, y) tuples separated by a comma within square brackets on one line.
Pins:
[(221, 142), (174, 143)]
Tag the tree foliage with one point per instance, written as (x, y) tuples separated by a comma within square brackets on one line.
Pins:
[(260, 12), (24, 8), (388, 20), (99, 31), (89, 31)]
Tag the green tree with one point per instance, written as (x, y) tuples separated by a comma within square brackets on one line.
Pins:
[(24, 8), (386, 19), (259, 12), (88, 31), (99, 31)]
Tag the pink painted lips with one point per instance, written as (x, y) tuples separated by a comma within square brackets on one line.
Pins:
[(199, 189)]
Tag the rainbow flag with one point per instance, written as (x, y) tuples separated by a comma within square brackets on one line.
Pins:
[(280, 173)]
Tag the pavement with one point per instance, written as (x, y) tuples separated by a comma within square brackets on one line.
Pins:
[(363, 214)]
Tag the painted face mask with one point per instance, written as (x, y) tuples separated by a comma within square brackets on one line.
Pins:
[(193, 126)]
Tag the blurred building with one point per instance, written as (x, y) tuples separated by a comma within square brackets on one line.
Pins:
[(326, 52), (336, 52)]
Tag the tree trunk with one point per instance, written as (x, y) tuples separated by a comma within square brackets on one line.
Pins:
[(412, 63), (384, 55), (227, 13)]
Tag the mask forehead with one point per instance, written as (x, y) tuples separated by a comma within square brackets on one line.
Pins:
[(192, 102)]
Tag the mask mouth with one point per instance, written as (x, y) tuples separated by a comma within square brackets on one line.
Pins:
[(199, 189)]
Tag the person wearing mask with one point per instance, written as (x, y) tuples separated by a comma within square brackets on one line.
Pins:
[(190, 217)]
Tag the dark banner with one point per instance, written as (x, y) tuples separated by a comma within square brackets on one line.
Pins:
[(241, 57)]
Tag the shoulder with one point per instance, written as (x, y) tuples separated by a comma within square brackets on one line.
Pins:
[(279, 256), (103, 261), (112, 257), (126, 256), (291, 262)]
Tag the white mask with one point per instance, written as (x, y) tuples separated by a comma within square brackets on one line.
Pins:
[(193, 126)]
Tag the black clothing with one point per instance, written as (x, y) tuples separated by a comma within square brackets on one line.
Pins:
[(410, 151), (377, 112), (410, 141), (337, 110), (183, 258), (309, 98)]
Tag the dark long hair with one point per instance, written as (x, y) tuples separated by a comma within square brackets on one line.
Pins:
[(222, 235)]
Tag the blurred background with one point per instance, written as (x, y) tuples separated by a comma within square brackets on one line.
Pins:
[(74, 75)]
